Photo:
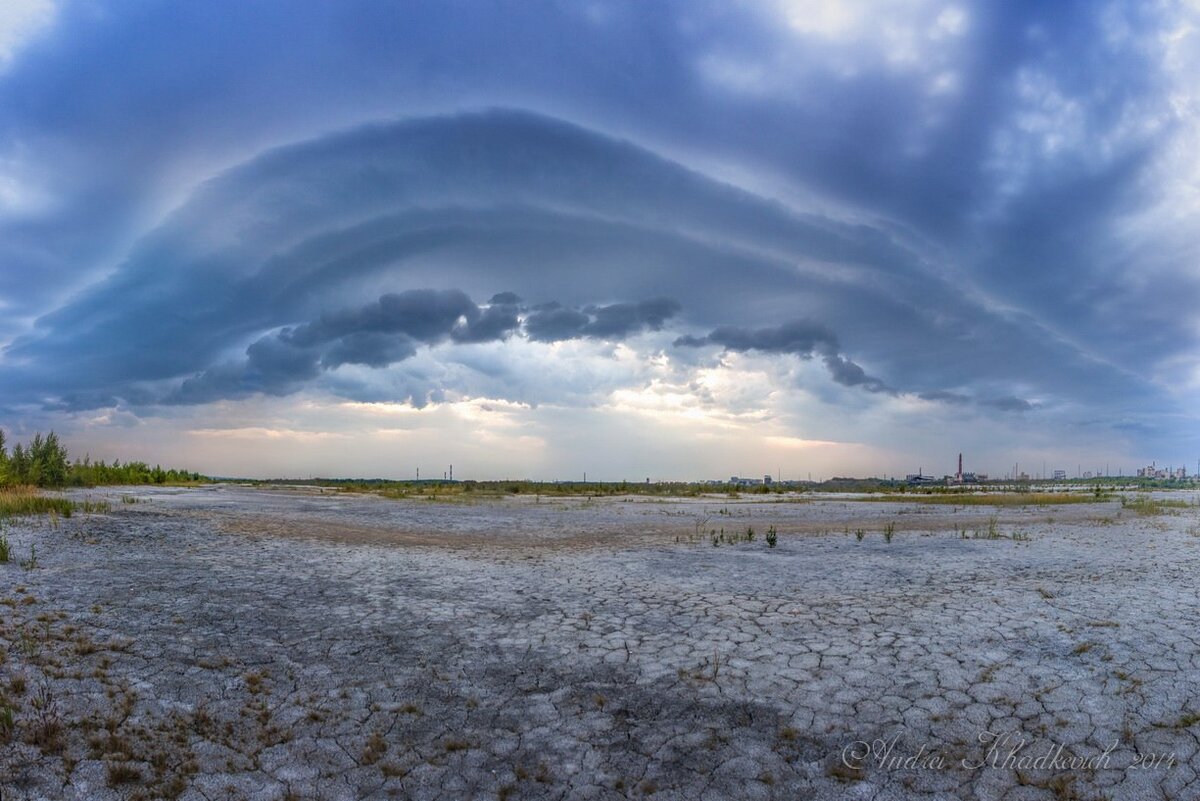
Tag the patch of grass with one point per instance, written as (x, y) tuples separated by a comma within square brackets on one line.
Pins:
[(888, 531), (989, 498), (89, 507), (15, 501), (1148, 507), (5, 549), (123, 773)]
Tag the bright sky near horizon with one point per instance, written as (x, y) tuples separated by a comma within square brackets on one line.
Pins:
[(666, 240)]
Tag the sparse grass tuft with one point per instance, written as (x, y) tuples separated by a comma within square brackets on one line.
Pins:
[(7, 723), (888, 531), (772, 537), (375, 748)]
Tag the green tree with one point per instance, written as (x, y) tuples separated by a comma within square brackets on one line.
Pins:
[(18, 465), (53, 462)]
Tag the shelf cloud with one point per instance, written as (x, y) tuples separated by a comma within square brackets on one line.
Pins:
[(952, 229)]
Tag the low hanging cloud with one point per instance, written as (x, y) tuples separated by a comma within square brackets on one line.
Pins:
[(552, 322), (807, 340), (1008, 403), (391, 329), (799, 338)]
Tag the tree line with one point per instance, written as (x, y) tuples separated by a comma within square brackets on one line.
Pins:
[(42, 462)]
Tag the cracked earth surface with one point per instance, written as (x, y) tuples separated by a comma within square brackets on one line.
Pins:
[(229, 643)]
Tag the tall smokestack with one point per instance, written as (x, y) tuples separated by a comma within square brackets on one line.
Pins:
[(960, 465)]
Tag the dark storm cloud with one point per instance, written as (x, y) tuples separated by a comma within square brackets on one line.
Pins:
[(993, 171), (561, 214), (426, 315), (798, 338), (1007, 404), (945, 396), (616, 321), (391, 330), (849, 374)]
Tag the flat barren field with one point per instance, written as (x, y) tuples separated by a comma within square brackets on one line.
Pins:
[(239, 643)]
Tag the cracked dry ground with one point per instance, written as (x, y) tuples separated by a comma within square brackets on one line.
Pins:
[(233, 643)]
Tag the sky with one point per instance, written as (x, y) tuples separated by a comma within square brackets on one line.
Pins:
[(667, 240)]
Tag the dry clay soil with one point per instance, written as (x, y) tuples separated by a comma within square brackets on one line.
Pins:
[(235, 643)]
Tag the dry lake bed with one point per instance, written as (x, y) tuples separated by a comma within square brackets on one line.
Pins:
[(237, 643)]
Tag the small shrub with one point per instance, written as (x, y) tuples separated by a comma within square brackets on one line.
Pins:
[(859, 534), (888, 531), (772, 537), (5, 549), (749, 534)]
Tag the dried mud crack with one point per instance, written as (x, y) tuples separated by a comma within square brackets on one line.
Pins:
[(229, 643)]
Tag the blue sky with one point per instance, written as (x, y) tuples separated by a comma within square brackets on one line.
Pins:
[(638, 239)]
